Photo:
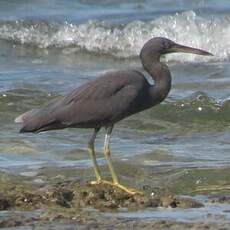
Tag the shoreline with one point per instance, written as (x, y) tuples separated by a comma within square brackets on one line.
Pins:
[(60, 203)]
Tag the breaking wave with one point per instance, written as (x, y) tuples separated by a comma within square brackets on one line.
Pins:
[(196, 109), (125, 40)]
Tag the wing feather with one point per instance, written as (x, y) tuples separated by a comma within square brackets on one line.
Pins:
[(104, 100)]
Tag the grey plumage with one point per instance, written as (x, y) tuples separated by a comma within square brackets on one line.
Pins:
[(100, 102)]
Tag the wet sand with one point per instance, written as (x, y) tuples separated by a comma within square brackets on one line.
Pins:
[(60, 199)]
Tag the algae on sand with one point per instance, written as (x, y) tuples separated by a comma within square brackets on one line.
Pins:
[(63, 199)]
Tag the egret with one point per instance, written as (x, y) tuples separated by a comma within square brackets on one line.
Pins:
[(108, 99)]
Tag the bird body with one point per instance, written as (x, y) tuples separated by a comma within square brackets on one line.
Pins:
[(100, 102), (108, 99)]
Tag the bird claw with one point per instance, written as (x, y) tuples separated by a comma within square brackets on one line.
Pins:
[(130, 191)]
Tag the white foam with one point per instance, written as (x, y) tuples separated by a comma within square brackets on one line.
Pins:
[(126, 40)]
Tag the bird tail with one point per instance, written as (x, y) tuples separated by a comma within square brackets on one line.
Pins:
[(41, 119), (33, 121)]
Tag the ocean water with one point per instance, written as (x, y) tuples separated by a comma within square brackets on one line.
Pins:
[(48, 48)]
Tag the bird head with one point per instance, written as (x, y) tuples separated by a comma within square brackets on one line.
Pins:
[(159, 45)]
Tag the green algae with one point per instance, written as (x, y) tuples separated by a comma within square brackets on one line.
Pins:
[(21, 194), (63, 196)]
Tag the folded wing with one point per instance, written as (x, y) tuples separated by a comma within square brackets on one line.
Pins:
[(97, 103)]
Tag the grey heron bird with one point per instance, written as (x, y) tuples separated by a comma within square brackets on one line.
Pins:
[(108, 99)]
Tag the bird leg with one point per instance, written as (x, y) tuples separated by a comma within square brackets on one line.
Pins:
[(107, 155), (111, 168), (93, 157)]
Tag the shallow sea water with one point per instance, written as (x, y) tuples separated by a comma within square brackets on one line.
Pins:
[(48, 51)]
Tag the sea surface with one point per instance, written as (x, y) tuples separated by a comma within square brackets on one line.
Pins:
[(48, 48)]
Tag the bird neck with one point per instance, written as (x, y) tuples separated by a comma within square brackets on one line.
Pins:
[(162, 78)]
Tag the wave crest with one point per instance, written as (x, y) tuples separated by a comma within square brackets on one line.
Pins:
[(125, 40), (197, 108)]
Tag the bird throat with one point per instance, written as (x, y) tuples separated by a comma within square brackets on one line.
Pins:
[(162, 82)]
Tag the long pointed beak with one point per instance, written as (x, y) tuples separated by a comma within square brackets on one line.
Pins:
[(187, 49)]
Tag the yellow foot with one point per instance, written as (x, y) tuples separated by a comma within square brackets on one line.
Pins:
[(130, 191)]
